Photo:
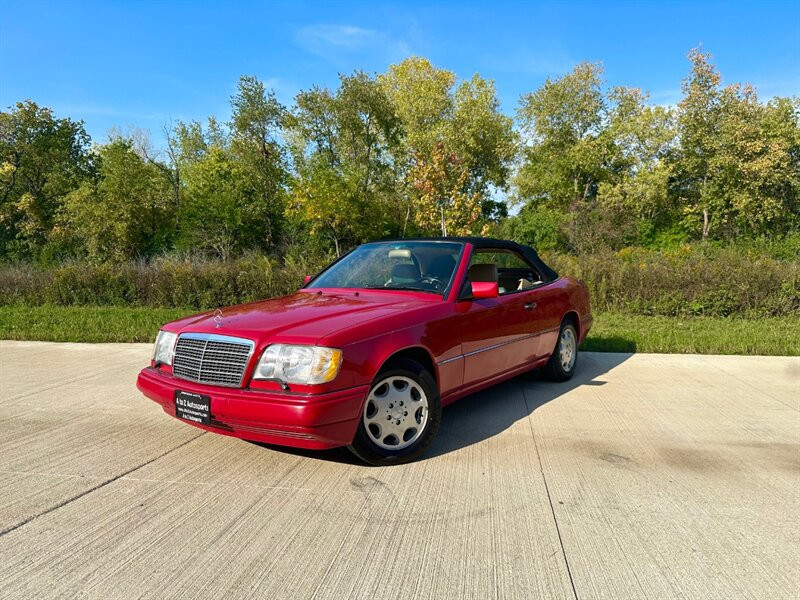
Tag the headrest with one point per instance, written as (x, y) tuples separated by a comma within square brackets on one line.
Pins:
[(483, 272), (442, 266), (405, 272), (400, 253)]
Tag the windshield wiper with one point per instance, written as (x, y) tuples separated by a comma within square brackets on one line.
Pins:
[(402, 287)]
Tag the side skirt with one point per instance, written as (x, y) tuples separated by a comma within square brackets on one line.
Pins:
[(456, 394)]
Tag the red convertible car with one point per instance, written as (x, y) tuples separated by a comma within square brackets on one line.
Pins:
[(367, 353)]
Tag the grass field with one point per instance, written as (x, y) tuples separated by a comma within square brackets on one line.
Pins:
[(615, 332), (84, 323), (612, 332)]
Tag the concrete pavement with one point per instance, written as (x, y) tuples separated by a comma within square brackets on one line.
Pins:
[(647, 476)]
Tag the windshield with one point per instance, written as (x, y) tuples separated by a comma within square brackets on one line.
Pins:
[(422, 266)]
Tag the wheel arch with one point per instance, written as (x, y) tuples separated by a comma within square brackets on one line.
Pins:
[(573, 317), (418, 354)]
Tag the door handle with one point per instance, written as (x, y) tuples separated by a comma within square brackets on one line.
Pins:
[(529, 305)]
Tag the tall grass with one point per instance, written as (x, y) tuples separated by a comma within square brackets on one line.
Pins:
[(189, 282), (691, 280)]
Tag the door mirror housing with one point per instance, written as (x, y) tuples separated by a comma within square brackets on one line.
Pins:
[(307, 278), (485, 289)]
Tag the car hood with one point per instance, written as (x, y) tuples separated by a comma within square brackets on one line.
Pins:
[(303, 317)]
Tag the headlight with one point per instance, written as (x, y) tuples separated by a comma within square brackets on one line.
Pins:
[(299, 364), (164, 348)]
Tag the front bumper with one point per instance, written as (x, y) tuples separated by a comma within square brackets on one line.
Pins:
[(300, 420)]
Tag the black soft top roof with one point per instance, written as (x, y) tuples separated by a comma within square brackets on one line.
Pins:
[(482, 242)]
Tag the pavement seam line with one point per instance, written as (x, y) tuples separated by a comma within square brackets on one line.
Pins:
[(95, 488), (547, 491)]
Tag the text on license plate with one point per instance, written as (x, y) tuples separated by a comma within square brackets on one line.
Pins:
[(193, 407)]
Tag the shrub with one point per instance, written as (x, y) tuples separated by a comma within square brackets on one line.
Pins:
[(688, 280), (541, 228), (187, 282)]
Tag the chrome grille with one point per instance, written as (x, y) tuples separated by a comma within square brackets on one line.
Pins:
[(212, 359)]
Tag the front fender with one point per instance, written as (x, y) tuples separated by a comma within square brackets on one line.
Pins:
[(364, 359)]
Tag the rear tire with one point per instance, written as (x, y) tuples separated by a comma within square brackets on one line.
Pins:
[(400, 417), (561, 365)]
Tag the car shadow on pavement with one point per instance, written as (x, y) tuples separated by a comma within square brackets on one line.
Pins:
[(487, 413), (336, 455)]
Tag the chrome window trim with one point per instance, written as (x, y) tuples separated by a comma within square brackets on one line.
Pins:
[(216, 337)]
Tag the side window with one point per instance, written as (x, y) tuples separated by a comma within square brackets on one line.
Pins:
[(511, 271)]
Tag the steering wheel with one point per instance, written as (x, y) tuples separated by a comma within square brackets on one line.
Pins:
[(434, 281)]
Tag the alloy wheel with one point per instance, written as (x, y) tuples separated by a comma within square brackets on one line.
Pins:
[(567, 349), (395, 413)]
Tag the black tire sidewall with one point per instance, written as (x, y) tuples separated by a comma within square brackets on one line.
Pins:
[(365, 449)]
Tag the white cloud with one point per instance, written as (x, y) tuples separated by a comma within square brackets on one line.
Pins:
[(335, 42)]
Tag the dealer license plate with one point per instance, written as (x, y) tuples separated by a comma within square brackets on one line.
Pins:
[(193, 407)]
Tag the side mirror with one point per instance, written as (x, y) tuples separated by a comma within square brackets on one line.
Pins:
[(484, 289), (307, 278)]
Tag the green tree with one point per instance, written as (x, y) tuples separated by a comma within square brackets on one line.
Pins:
[(232, 178), (635, 202), (42, 159), (221, 208), (462, 122), (422, 98), (600, 159), (540, 227), (739, 162), (256, 130), (699, 116), (566, 152), (121, 214), (577, 141), (345, 179)]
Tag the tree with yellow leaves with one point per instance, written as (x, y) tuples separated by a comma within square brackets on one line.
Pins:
[(440, 199)]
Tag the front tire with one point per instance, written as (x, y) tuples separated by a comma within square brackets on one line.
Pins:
[(401, 415), (561, 365)]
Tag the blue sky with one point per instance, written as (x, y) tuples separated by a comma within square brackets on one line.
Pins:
[(141, 64)]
